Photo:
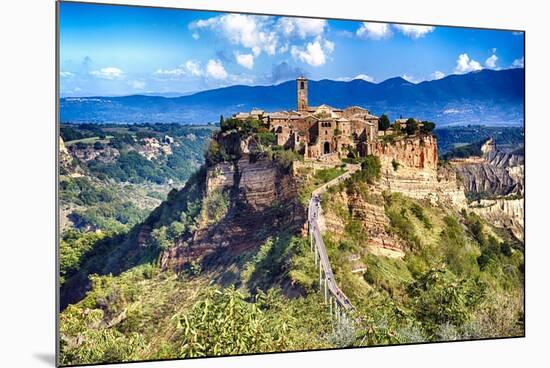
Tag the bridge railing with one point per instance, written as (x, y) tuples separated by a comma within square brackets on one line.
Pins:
[(318, 246)]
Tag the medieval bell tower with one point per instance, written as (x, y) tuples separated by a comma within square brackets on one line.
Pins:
[(301, 84)]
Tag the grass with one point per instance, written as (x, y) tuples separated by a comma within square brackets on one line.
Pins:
[(90, 140), (315, 180)]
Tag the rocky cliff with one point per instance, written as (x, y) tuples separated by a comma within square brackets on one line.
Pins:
[(495, 173), (368, 209), (410, 166), (67, 164), (262, 200), (504, 213), (496, 180)]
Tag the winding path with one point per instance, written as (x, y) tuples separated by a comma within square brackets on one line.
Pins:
[(319, 250)]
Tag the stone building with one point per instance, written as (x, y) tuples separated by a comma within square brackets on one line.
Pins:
[(320, 131)]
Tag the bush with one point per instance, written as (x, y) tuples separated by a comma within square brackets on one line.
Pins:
[(411, 126), (370, 170), (285, 158), (438, 297), (427, 127), (159, 238), (383, 122), (395, 164), (225, 323), (419, 213), (458, 254), (266, 138)]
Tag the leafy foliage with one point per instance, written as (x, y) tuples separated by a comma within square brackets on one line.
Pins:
[(383, 122), (411, 126), (224, 323), (370, 170)]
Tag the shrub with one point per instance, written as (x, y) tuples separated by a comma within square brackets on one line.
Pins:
[(411, 126), (419, 213), (395, 164), (383, 122), (159, 238), (225, 323), (370, 170), (285, 158), (427, 127), (266, 138), (438, 297)]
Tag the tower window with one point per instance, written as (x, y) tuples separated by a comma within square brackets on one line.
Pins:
[(301, 85)]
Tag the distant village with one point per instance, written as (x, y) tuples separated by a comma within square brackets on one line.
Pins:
[(323, 132)]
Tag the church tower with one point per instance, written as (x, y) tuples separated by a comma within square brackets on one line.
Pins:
[(301, 84)]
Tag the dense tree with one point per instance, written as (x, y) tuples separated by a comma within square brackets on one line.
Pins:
[(411, 126), (383, 122), (427, 127), (370, 170)]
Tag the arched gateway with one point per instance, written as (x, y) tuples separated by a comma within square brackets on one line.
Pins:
[(326, 148)]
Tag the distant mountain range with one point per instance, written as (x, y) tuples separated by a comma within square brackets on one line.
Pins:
[(485, 97)]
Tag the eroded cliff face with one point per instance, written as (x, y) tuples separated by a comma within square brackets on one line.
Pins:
[(410, 166), (499, 177), (262, 200), (67, 164), (496, 173), (418, 152), (504, 213), (372, 217)]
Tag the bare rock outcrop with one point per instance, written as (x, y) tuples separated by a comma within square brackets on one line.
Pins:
[(263, 200), (494, 173), (373, 220), (504, 213), (410, 166)]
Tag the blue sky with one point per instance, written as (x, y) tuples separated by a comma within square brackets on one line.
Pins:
[(119, 50)]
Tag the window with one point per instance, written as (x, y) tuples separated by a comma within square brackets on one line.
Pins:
[(301, 85)]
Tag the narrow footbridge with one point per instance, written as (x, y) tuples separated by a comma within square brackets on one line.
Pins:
[(333, 294)]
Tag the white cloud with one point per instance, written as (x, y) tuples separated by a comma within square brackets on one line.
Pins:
[(195, 35), (364, 77), (215, 69), (465, 65), (301, 27), (491, 61), (246, 60), (518, 63), (314, 53), (413, 31), (437, 75), (193, 67), (329, 45), (410, 78), (173, 73), (109, 73), (284, 48), (66, 74), (137, 84), (451, 111), (374, 31), (250, 31), (190, 67)]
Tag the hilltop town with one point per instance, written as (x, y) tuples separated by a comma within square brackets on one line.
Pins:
[(327, 133)]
